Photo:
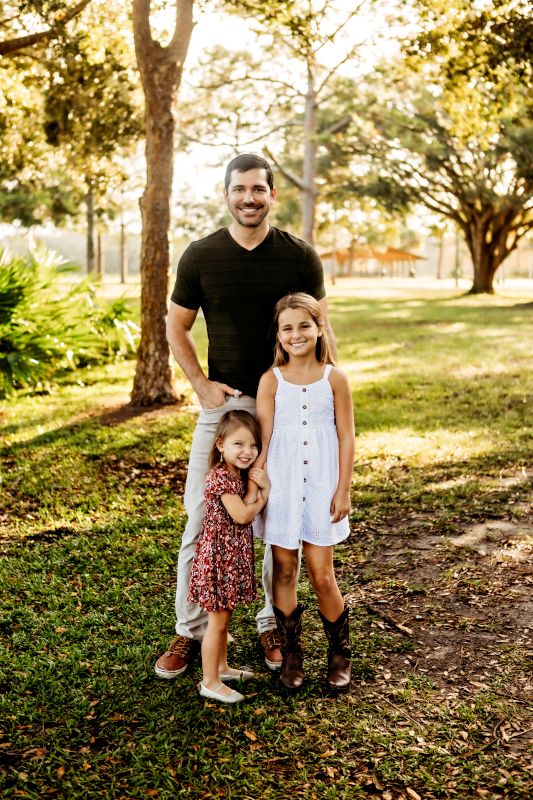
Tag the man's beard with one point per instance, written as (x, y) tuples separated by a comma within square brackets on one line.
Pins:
[(249, 223)]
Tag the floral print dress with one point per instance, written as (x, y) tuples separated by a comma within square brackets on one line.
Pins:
[(223, 571)]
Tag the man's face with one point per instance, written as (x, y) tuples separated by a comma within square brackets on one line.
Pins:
[(249, 197)]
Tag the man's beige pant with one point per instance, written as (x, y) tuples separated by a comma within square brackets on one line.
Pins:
[(191, 620)]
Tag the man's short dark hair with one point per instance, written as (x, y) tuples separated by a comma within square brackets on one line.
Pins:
[(245, 162)]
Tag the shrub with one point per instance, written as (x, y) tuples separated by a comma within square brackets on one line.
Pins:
[(48, 327)]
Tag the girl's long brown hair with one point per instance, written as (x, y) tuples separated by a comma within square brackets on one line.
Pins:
[(237, 418), (305, 302)]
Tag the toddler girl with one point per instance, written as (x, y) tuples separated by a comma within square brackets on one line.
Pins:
[(223, 574), (304, 408)]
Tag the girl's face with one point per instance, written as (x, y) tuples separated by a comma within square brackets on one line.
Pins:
[(297, 332), (239, 449)]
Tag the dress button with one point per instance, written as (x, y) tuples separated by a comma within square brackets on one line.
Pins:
[(304, 423), (305, 480), (305, 462), (304, 406), (304, 498), (304, 389), (305, 442)]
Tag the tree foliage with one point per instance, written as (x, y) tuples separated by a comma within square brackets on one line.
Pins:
[(456, 134), (67, 109), (19, 18), (292, 72)]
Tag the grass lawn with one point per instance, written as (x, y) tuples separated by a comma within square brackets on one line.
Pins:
[(437, 572)]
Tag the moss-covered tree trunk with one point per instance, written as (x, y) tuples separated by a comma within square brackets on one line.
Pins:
[(161, 70)]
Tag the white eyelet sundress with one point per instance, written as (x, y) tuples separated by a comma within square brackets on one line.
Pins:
[(303, 467)]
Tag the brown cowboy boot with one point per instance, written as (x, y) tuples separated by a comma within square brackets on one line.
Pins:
[(339, 652), (290, 631)]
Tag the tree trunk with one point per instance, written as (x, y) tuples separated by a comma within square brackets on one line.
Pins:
[(491, 237), (161, 70), (440, 256), (90, 231), (100, 258), (123, 254), (310, 157)]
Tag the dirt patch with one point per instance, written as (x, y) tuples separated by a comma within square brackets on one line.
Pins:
[(148, 474), (463, 605)]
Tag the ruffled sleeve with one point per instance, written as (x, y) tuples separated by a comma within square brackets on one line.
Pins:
[(220, 481)]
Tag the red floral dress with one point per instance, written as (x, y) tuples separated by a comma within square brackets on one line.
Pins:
[(223, 571)]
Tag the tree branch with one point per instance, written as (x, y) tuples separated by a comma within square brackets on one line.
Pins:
[(241, 144), (240, 78), (177, 49), (294, 179), (334, 69), (343, 24), (11, 46)]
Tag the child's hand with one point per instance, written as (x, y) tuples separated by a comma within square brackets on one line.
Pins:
[(259, 477), (340, 505)]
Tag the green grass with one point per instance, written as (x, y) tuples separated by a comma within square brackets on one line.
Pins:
[(90, 520)]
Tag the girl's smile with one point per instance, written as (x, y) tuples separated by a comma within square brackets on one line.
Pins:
[(239, 449), (297, 332)]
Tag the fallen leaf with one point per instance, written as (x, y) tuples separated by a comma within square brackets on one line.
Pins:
[(412, 794), (327, 754), (35, 752), (60, 771), (251, 735), (377, 783)]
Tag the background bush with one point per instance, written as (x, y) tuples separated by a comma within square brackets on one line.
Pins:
[(48, 326)]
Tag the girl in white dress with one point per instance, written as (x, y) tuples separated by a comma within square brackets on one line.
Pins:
[(304, 408)]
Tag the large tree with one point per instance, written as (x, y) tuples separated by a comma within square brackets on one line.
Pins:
[(161, 69), (453, 131), (92, 108), (292, 74), (69, 110)]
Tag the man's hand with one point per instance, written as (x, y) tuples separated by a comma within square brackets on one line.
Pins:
[(213, 394)]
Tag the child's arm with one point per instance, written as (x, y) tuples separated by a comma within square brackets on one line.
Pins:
[(342, 398), (242, 512), (258, 484), (266, 394)]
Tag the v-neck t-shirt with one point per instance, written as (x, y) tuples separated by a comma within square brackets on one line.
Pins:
[(237, 290)]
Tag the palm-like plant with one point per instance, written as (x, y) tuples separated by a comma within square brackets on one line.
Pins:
[(47, 327)]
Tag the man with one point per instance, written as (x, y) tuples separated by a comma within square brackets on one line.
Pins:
[(236, 275)]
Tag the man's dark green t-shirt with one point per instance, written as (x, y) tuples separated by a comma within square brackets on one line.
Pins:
[(237, 290)]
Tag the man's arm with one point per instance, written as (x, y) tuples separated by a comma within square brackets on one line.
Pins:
[(180, 320), (324, 308)]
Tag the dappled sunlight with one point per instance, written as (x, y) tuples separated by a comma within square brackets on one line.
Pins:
[(467, 372), (406, 444), (364, 371)]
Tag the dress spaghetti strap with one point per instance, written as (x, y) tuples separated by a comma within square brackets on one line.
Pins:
[(325, 376), (277, 373)]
